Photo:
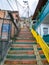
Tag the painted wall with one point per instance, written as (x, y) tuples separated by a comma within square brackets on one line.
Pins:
[(40, 29), (1, 21)]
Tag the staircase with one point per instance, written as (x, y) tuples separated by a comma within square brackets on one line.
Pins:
[(25, 51)]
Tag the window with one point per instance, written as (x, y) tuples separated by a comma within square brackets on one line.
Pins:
[(45, 31)]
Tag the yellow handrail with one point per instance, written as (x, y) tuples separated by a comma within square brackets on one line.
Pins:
[(41, 42)]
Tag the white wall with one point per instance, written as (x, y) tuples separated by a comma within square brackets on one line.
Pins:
[(40, 29)]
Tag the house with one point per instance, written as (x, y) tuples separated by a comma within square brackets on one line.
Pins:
[(8, 29), (41, 16)]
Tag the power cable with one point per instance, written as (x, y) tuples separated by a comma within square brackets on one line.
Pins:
[(20, 4), (24, 11), (10, 5), (29, 8), (16, 4)]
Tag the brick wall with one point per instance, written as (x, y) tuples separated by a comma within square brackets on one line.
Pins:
[(1, 14)]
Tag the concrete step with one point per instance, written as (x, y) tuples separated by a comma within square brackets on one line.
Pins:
[(24, 38), (40, 52), (21, 62), (42, 56), (21, 48), (21, 57), (26, 41), (45, 62), (21, 52), (39, 48)]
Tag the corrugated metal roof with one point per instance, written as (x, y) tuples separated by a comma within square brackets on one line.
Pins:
[(41, 3)]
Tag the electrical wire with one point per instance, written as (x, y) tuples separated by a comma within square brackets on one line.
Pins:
[(20, 5), (16, 4), (10, 5), (24, 12), (29, 8)]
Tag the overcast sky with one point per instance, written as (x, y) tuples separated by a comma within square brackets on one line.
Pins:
[(20, 6)]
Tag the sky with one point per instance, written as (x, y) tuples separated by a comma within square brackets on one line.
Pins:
[(19, 5)]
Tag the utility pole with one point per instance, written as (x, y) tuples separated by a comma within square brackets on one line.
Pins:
[(28, 12), (26, 3), (28, 9)]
